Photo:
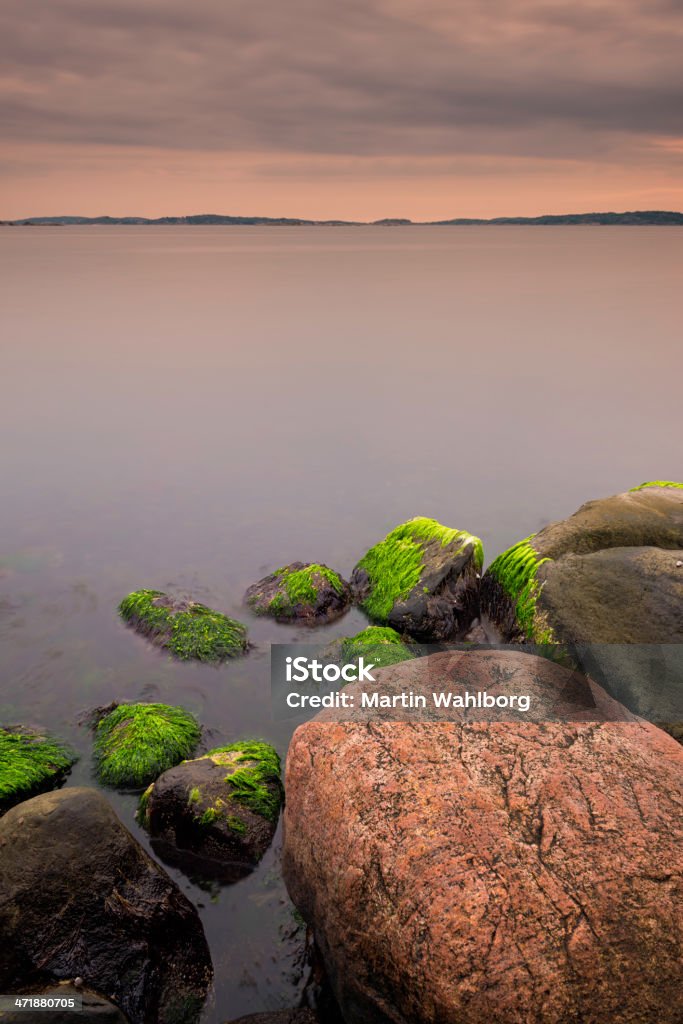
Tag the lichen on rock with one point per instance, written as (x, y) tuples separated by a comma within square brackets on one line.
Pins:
[(134, 743), (216, 814), (186, 629), (310, 593), (421, 579), (30, 762)]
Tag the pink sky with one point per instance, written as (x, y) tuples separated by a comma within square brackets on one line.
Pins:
[(358, 110)]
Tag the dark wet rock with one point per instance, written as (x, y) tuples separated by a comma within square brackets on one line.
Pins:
[(490, 873), (305, 592), (302, 1016), (216, 815), (31, 762), (79, 897), (187, 629), (96, 1009), (612, 573), (134, 743), (422, 579)]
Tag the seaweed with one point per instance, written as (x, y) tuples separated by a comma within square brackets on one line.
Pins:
[(394, 566), (656, 483), (515, 570), (30, 762), (135, 743), (188, 630), (302, 586), (379, 644), (256, 783)]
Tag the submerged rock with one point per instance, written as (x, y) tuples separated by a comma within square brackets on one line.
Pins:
[(95, 1008), (216, 815), (490, 873), (303, 592), (609, 574), (186, 629), (30, 762), (82, 899), (134, 743), (422, 579), (379, 645)]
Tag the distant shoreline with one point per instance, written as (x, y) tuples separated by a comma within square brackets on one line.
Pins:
[(651, 218)]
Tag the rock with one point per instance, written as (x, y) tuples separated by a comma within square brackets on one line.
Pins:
[(30, 762), (216, 815), (186, 629), (379, 645), (303, 592), (490, 873), (302, 1016), (134, 743), (95, 1008), (422, 579), (605, 575), (79, 897)]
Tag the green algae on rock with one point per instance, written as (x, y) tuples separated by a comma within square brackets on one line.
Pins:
[(515, 607), (216, 814), (380, 645), (187, 629), (421, 579), (30, 762), (656, 483), (307, 592), (134, 743), (608, 574)]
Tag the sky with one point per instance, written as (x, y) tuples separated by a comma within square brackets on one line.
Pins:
[(358, 109)]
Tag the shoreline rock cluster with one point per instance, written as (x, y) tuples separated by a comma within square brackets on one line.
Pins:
[(533, 855), (507, 872)]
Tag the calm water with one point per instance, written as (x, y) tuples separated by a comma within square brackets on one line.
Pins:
[(193, 407)]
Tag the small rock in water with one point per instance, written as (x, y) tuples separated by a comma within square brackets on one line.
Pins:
[(216, 815), (310, 593)]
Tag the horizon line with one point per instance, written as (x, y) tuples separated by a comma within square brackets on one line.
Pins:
[(247, 219)]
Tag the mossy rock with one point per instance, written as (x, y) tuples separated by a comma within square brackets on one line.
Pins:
[(612, 573), (422, 579), (379, 645), (306, 592), (216, 815), (30, 763), (510, 591), (186, 629), (135, 743)]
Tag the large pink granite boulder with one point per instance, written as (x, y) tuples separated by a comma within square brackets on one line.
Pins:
[(490, 873)]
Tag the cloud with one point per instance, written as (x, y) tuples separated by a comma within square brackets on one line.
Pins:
[(374, 78)]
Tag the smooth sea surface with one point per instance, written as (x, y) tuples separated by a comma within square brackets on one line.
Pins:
[(190, 408)]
